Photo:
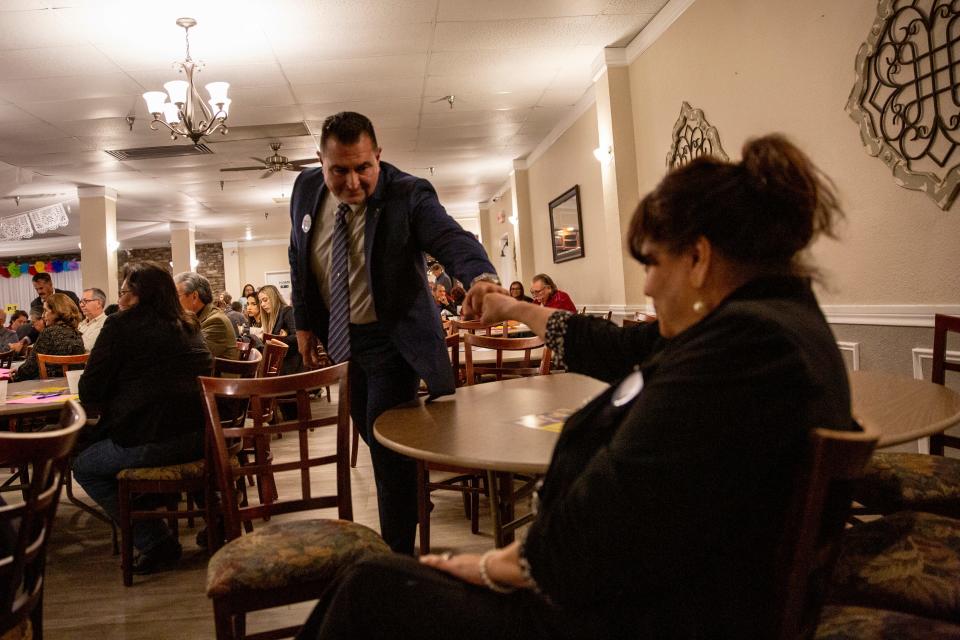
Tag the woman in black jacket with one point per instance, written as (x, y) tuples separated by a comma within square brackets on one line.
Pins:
[(142, 374), (664, 503), (276, 317)]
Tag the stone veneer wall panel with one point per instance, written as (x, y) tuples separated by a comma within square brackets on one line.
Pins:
[(209, 255)]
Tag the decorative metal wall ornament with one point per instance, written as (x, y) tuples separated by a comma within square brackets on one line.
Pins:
[(693, 137), (906, 99)]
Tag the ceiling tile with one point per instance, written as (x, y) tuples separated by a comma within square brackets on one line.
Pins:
[(359, 90), (614, 30), (456, 118), (32, 29), (487, 83), (375, 109), (474, 102), (264, 74), (510, 34), (246, 114), (276, 96), (329, 41), (561, 97), (412, 65), (86, 109), (72, 88), (634, 6), (53, 62), (460, 10)]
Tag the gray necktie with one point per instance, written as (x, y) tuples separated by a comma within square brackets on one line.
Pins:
[(338, 340)]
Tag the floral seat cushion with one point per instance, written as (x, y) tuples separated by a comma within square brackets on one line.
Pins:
[(185, 471), (22, 631), (911, 481), (908, 562), (290, 553), (861, 623)]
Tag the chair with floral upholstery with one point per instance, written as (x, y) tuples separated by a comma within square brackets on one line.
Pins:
[(817, 512), (898, 481), (908, 562), (27, 523), (171, 482), (281, 563)]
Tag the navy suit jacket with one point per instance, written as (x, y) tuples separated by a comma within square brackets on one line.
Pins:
[(404, 219)]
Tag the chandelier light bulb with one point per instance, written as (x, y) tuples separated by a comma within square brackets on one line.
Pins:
[(221, 109), (177, 90), (171, 114), (218, 91), (155, 100)]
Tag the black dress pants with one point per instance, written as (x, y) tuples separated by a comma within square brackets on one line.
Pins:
[(381, 379), (397, 597)]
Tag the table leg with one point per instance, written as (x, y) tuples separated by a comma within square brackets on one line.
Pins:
[(500, 486)]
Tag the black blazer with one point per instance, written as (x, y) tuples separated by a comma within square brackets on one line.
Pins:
[(142, 374), (663, 516), (404, 219)]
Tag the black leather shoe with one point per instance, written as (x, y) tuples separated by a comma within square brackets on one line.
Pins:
[(163, 556)]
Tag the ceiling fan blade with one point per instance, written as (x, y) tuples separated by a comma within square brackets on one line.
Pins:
[(260, 168), (266, 174), (289, 167), (305, 162)]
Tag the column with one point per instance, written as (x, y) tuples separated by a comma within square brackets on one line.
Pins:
[(231, 269), (183, 246), (618, 160), (486, 231), (98, 240), (523, 229)]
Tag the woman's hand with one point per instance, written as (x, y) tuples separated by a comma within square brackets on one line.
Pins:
[(464, 567)]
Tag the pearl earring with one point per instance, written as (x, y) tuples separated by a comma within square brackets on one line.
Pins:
[(698, 306)]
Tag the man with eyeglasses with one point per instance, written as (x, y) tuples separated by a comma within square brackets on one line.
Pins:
[(92, 304)]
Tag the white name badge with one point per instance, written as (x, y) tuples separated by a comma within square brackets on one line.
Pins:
[(307, 223), (629, 389)]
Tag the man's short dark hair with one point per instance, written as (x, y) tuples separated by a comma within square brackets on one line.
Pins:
[(17, 314), (236, 306), (347, 127), (42, 277)]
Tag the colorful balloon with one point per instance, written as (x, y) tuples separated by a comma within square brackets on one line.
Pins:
[(48, 267), (32, 270), (39, 266)]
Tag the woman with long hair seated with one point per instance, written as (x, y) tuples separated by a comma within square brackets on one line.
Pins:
[(142, 374), (59, 337), (276, 317), (662, 508)]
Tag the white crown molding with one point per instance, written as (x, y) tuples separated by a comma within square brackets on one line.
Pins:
[(656, 27), (894, 315), (267, 242)]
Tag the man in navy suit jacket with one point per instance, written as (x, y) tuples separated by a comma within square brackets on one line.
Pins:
[(395, 336)]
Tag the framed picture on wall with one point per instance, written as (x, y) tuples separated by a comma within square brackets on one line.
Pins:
[(281, 280), (566, 226)]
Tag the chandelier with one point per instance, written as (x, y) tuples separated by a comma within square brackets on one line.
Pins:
[(186, 114)]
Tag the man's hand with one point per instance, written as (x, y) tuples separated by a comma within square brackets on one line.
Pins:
[(307, 345), (473, 303)]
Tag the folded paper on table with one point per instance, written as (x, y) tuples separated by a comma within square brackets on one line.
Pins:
[(550, 421), (43, 399)]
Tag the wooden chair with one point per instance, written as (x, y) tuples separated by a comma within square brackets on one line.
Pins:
[(500, 368), (283, 562), (897, 481), (472, 482), (274, 352), (28, 524), (609, 316), (244, 348), (473, 326), (170, 482), (44, 359), (819, 509)]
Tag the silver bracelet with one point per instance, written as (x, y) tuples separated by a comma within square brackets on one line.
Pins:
[(487, 580)]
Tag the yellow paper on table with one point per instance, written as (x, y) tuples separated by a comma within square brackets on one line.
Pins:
[(550, 421)]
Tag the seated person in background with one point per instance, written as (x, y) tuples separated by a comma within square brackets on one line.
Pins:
[(197, 297), (142, 373), (457, 295), (276, 317), (18, 318), (30, 330), (546, 293), (517, 293), (7, 335), (235, 313), (444, 303), (58, 338), (662, 509), (91, 305), (251, 328), (248, 290)]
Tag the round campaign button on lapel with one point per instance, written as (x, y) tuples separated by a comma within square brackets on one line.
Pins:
[(307, 222), (629, 389)]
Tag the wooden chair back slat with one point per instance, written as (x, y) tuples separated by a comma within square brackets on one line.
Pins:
[(818, 512), (260, 392), (243, 368), (473, 326), (44, 359), (22, 559), (274, 351), (501, 369), (942, 326)]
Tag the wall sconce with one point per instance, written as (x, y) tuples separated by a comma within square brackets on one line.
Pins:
[(513, 220), (113, 245), (603, 156)]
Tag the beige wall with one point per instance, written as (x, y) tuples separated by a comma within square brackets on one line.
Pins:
[(256, 260), (756, 66), (567, 162), (506, 266)]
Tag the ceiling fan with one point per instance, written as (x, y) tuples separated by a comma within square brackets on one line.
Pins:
[(276, 162)]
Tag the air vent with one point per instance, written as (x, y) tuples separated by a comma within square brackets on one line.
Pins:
[(155, 153)]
